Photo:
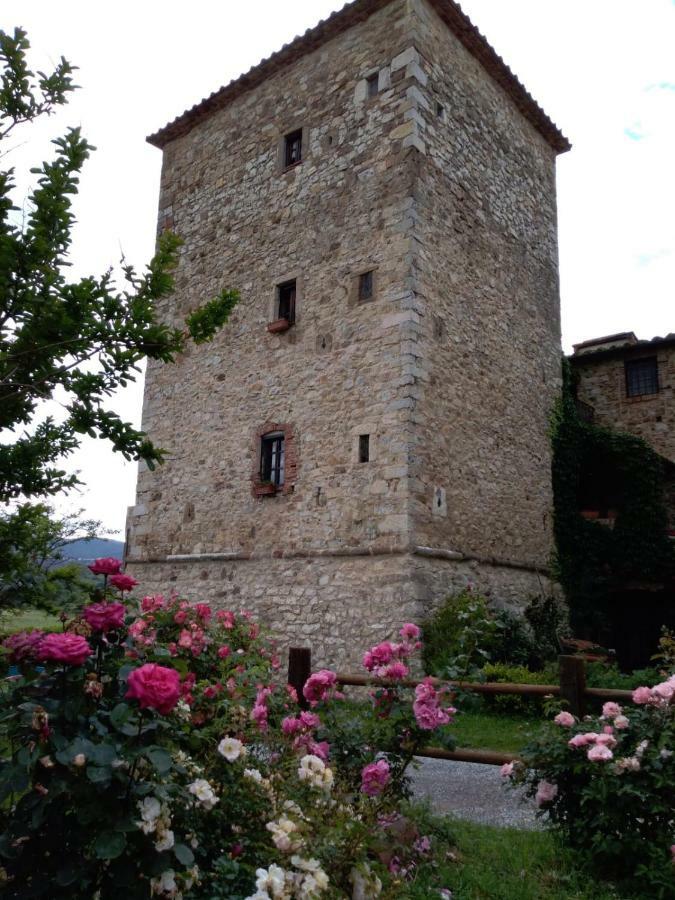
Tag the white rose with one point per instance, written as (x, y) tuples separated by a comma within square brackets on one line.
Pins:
[(165, 842), (231, 749)]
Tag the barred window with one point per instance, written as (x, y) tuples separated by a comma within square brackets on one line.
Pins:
[(272, 458), (293, 148), (365, 286), (642, 377), (286, 294)]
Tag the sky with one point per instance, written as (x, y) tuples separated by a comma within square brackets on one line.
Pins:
[(604, 71)]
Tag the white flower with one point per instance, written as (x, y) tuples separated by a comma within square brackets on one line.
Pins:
[(151, 810), (231, 749), (182, 710), (259, 895), (281, 831), (253, 775), (272, 880), (314, 771), (204, 793), (165, 884), (665, 754), (366, 885), (165, 842)]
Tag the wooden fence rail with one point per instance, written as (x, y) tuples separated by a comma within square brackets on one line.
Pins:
[(572, 688)]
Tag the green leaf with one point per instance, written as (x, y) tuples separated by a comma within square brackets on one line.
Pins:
[(160, 759), (184, 855), (99, 774), (110, 844)]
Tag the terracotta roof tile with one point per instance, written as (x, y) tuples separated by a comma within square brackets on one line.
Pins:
[(340, 21)]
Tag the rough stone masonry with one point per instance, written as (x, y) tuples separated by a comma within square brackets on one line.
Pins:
[(410, 389)]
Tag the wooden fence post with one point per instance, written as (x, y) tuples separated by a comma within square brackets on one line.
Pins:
[(573, 683), (299, 670)]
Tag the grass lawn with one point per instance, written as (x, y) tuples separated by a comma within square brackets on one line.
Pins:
[(489, 731), (12, 621), (486, 863), (507, 864)]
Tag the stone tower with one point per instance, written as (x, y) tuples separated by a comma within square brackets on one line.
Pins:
[(370, 430)]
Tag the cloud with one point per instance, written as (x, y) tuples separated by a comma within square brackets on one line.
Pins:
[(635, 132)]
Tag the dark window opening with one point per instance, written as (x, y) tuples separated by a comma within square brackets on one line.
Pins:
[(364, 448), (293, 148), (286, 301), (366, 286), (372, 85), (440, 110), (272, 459), (642, 377)]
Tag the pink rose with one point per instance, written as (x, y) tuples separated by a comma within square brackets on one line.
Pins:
[(203, 610), (23, 645), (621, 722), (565, 719), (155, 687), (380, 655), (599, 753), (581, 740), (546, 793), (108, 565), (104, 616), (375, 777), (664, 691), (225, 618), (319, 685), (71, 649), (152, 604), (506, 770), (429, 714), (123, 582), (642, 695), (223, 652), (611, 710), (409, 632), (290, 725), (394, 670)]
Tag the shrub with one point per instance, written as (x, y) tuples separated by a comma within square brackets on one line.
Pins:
[(457, 636), (608, 784), (548, 617), (608, 675), (514, 704), (512, 642), (155, 750)]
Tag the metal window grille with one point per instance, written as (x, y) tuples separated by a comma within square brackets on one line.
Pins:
[(293, 148), (642, 377), (373, 84), (366, 286), (272, 458), (286, 301)]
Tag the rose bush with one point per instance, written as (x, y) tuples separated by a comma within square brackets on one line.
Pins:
[(608, 784), (153, 749)]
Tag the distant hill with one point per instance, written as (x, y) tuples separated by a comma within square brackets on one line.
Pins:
[(85, 551)]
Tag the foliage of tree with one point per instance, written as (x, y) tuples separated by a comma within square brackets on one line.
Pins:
[(70, 341), (32, 571)]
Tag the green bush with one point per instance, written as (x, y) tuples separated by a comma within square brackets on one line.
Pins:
[(548, 617), (607, 675), (514, 704), (458, 635)]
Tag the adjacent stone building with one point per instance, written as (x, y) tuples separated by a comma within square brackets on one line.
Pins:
[(370, 431), (630, 385)]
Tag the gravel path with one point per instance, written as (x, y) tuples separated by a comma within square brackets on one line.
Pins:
[(473, 791)]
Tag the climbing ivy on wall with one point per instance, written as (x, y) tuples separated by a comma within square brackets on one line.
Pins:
[(592, 559)]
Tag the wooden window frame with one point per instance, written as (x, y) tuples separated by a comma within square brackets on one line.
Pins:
[(636, 379)]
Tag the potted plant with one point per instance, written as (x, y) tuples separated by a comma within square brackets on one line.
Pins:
[(266, 489), (278, 326)]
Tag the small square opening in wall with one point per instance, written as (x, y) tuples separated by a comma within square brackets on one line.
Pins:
[(440, 111), (372, 85), (365, 286), (364, 448), (293, 148), (286, 294)]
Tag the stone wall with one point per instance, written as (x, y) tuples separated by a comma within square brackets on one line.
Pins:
[(488, 342), (602, 384), (439, 186)]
